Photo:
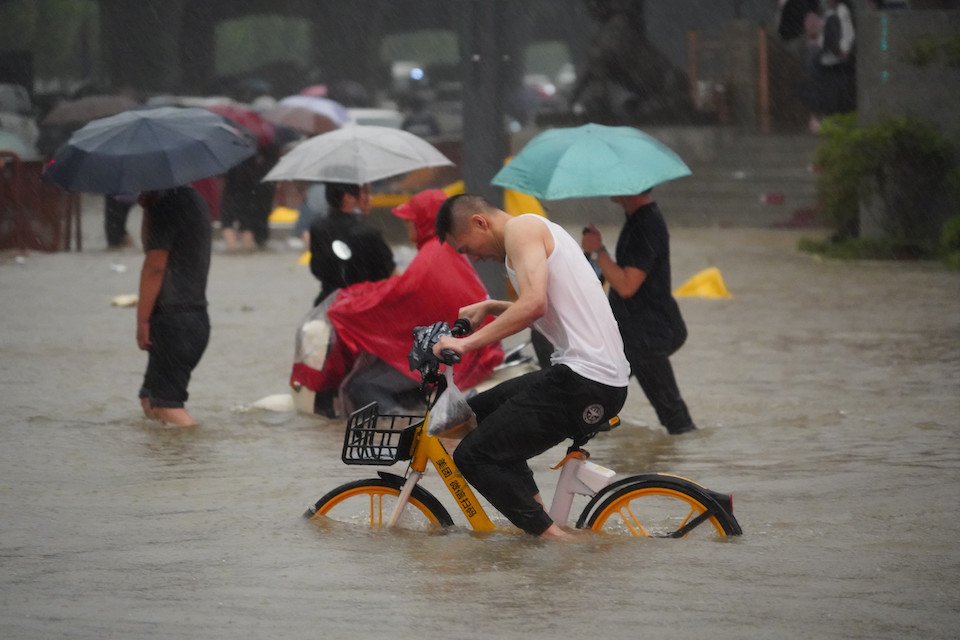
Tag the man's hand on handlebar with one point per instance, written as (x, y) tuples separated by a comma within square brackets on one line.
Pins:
[(449, 349), (475, 313)]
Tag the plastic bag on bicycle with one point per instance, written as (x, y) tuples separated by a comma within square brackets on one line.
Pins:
[(451, 411)]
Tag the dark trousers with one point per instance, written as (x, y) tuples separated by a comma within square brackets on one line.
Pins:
[(655, 375), (178, 341), (522, 418), (115, 215)]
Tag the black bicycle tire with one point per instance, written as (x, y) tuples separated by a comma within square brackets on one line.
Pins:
[(386, 481), (614, 492)]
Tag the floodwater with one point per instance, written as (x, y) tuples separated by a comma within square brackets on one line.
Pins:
[(828, 400)]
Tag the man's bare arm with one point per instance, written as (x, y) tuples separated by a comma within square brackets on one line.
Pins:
[(624, 280), (526, 247), (151, 279)]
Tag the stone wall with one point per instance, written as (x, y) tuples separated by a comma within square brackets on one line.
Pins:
[(888, 84), (891, 84)]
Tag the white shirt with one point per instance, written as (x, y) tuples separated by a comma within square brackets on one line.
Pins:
[(578, 321), (847, 35)]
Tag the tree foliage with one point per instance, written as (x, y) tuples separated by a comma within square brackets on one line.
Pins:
[(62, 35)]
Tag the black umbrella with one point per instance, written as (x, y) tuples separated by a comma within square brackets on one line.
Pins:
[(148, 149)]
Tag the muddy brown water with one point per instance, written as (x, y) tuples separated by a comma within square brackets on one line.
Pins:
[(828, 400)]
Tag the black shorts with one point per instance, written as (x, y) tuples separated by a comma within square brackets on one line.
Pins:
[(178, 341), (524, 417), (561, 401)]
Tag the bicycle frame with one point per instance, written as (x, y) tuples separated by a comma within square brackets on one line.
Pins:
[(671, 506), (578, 476)]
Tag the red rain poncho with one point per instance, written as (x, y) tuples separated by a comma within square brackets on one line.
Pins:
[(379, 317)]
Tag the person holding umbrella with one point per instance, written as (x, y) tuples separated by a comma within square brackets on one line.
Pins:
[(172, 321), (624, 164), (155, 152), (343, 249), (642, 302)]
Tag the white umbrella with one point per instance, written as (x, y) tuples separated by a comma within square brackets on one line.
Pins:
[(324, 106), (357, 154)]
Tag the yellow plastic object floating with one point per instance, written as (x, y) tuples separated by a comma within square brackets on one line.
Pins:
[(283, 215), (706, 284)]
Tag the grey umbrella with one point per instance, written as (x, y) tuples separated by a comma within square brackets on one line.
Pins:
[(83, 110), (357, 154), (148, 149)]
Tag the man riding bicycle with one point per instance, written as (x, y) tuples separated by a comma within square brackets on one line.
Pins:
[(586, 385)]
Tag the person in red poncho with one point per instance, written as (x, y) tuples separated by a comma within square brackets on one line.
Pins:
[(372, 323)]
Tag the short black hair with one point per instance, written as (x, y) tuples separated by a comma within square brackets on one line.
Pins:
[(336, 191), (452, 208), (444, 224)]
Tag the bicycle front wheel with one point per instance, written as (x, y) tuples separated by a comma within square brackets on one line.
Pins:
[(370, 503), (660, 506)]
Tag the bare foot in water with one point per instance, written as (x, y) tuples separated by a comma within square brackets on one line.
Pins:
[(178, 417), (554, 532)]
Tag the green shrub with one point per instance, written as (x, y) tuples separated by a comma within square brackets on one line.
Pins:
[(905, 163), (863, 249), (922, 51), (951, 49), (950, 238), (842, 168), (950, 243)]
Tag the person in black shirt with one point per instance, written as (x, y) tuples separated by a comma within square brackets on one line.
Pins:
[(172, 321), (343, 249), (642, 301)]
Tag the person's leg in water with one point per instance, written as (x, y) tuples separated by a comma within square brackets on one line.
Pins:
[(148, 411), (655, 376), (115, 222), (178, 342), (522, 418)]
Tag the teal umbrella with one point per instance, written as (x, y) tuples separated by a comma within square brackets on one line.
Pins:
[(590, 160)]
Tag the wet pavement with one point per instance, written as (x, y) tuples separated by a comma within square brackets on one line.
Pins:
[(828, 400)]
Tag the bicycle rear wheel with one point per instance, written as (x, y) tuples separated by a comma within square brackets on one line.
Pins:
[(370, 502), (660, 506)]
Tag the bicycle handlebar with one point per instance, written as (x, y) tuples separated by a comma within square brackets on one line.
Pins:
[(459, 329), (449, 356), (421, 355)]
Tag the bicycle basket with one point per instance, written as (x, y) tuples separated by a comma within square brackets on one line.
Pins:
[(378, 439)]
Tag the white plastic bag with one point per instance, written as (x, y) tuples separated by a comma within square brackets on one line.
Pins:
[(451, 410)]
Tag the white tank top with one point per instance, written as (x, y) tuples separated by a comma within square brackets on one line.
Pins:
[(578, 321)]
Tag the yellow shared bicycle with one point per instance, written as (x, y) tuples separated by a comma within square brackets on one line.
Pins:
[(643, 505)]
